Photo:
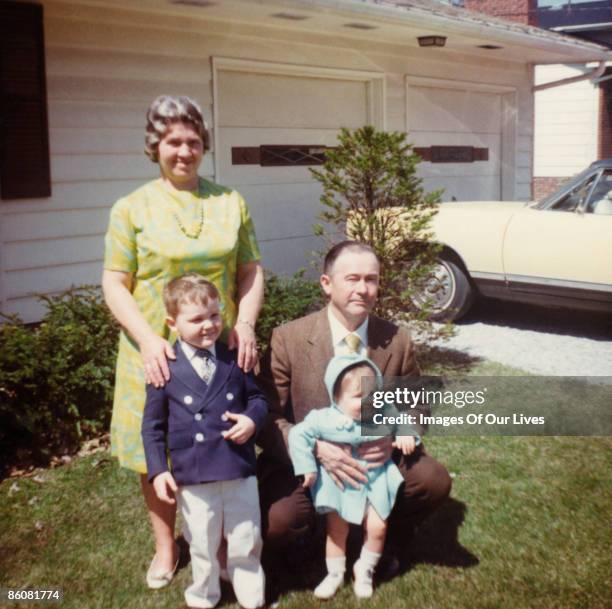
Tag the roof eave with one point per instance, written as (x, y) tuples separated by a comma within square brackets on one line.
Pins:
[(567, 48)]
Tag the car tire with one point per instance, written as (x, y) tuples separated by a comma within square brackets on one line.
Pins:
[(449, 292)]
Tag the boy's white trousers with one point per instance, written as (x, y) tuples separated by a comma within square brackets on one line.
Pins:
[(214, 510)]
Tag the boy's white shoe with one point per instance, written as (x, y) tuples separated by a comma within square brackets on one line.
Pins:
[(329, 586), (363, 580)]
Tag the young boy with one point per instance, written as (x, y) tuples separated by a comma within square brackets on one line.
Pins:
[(207, 416)]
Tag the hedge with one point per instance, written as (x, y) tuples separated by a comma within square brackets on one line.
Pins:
[(56, 377)]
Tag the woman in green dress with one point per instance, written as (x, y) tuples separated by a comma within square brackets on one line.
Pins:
[(172, 225)]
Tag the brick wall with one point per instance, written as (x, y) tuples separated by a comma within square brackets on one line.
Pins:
[(542, 187), (522, 11), (605, 117)]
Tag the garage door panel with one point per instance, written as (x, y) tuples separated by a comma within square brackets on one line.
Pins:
[(288, 255), (431, 109), (454, 117), (491, 167), (259, 109), (255, 174), (283, 211), (289, 101), (437, 138), (464, 188)]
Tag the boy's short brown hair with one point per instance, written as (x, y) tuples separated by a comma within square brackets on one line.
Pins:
[(190, 287)]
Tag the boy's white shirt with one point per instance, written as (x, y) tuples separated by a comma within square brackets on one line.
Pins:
[(339, 334), (194, 360)]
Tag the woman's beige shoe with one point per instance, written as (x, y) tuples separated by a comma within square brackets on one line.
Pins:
[(156, 580)]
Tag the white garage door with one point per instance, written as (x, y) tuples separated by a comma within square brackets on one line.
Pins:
[(438, 116), (264, 109)]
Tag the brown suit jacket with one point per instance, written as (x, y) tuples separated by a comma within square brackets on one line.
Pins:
[(293, 368)]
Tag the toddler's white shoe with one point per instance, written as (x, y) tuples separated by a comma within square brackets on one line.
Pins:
[(329, 586), (362, 585)]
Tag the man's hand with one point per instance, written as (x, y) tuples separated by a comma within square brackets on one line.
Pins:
[(341, 467), (377, 452), (243, 429), (309, 479), (165, 487), (406, 444)]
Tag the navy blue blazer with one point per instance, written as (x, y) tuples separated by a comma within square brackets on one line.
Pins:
[(184, 416)]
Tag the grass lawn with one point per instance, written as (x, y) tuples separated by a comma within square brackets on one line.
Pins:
[(528, 526)]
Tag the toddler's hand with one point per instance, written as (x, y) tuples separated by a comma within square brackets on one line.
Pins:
[(163, 483), (309, 479), (243, 429), (406, 444)]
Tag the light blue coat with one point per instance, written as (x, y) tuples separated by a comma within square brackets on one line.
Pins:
[(333, 425)]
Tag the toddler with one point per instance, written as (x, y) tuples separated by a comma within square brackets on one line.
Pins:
[(206, 417), (372, 502)]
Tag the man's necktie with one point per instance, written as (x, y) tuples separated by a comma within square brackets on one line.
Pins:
[(353, 341), (207, 366)]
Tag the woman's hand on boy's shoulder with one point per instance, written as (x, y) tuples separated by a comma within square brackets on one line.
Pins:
[(242, 337), (155, 352)]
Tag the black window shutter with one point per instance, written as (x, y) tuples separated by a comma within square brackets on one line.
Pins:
[(24, 137)]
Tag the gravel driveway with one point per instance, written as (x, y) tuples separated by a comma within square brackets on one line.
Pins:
[(537, 340)]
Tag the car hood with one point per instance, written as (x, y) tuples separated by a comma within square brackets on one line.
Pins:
[(484, 206), (488, 215)]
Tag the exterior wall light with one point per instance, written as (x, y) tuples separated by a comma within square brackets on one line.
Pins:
[(432, 41)]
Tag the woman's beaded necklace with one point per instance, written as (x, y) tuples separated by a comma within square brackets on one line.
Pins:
[(196, 228), (192, 232)]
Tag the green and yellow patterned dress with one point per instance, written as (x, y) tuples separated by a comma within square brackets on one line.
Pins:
[(147, 237)]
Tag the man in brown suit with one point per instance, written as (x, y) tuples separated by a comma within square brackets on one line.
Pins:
[(292, 376)]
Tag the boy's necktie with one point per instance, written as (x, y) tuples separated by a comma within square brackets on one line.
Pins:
[(353, 342), (207, 364)]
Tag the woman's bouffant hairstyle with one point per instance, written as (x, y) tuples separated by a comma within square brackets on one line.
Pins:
[(188, 288), (168, 109)]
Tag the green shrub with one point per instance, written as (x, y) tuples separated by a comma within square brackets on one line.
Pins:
[(371, 192), (286, 298), (56, 377)]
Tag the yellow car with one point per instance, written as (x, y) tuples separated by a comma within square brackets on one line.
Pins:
[(553, 252)]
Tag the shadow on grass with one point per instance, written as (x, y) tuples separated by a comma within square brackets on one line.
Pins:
[(184, 556), (436, 542), (437, 360)]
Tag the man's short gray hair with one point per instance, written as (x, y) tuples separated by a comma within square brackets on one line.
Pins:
[(169, 109)]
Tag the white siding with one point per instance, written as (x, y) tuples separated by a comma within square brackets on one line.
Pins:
[(566, 126), (104, 66)]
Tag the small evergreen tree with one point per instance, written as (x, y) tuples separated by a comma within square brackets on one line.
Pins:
[(371, 194)]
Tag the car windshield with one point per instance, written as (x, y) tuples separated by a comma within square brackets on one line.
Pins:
[(547, 201)]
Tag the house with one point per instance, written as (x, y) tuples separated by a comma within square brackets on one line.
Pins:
[(573, 121), (270, 72)]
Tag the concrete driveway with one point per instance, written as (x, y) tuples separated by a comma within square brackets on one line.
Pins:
[(538, 340)]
